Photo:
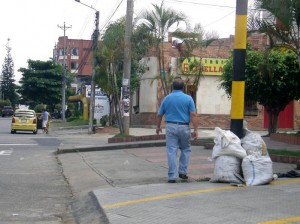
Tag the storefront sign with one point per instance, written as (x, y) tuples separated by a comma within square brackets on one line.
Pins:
[(209, 66)]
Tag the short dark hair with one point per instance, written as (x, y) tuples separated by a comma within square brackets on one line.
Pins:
[(178, 83)]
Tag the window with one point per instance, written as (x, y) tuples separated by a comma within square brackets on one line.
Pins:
[(61, 51), (63, 65), (250, 108), (75, 51), (74, 65)]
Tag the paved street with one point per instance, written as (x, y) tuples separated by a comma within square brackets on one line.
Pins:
[(32, 188)]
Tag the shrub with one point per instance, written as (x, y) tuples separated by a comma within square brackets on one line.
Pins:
[(104, 120), (39, 108)]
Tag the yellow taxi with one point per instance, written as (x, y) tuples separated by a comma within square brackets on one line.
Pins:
[(24, 120)]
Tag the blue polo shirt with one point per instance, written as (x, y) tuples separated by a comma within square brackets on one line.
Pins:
[(176, 107)]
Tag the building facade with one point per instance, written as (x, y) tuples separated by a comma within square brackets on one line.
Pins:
[(76, 54), (213, 105)]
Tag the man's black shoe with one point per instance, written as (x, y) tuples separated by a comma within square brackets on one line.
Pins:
[(183, 176), (172, 181)]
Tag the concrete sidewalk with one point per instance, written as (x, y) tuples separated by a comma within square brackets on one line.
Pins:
[(129, 183)]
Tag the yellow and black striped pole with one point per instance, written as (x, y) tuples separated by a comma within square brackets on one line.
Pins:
[(239, 56)]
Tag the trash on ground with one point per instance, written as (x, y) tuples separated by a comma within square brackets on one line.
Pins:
[(238, 161), (227, 144), (225, 169), (290, 174)]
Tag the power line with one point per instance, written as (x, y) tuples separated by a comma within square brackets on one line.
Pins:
[(198, 3), (86, 22), (219, 19), (109, 19)]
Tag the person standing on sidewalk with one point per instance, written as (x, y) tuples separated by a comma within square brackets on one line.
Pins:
[(178, 109), (45, 117)]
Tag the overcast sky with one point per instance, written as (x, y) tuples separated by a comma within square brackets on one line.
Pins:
[(32, 25)]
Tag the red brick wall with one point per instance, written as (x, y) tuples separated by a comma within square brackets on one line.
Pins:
[(214, 120), (143, 120), (256, 122), (208, 121), (85, 54)]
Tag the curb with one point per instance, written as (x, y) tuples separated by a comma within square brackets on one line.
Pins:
[(116, 146), (159, 143), (127, 145)]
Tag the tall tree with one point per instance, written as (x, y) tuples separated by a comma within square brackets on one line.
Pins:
[(110, 61), (8, 87), (159, 21), (271, 78), (41, 83), (280, 20)]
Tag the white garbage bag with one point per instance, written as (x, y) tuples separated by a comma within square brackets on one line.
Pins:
[(227, 144), (225, 168), (257, 170), (254, 144)]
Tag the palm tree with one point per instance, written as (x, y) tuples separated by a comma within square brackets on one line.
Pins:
[(280, 21), (192, 45), (159, 21)]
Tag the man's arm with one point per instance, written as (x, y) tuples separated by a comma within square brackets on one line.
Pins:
[(194, 119), (158, 128)]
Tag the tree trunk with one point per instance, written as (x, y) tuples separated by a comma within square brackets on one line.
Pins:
[(273, 120), (270, 117), (160, 67), (116, 100), (164, 74)]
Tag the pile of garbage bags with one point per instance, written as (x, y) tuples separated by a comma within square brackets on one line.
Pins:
[(241, 161)]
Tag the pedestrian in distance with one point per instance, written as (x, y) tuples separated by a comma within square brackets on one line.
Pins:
[(179, 110), (45, 119)]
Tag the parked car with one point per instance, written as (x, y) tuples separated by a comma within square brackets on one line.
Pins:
[(24, 120), (7, 111)]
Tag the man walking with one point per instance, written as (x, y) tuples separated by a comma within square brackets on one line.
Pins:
[(178, 109)]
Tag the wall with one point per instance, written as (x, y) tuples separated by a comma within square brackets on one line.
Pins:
[(148, 86), (211, 99)]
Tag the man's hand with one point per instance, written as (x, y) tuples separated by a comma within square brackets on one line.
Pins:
[(194, 134), (158, 129)]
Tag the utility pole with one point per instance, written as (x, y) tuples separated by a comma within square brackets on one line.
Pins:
[(239, 58), (95, 37), (127, 68), (63, 90)]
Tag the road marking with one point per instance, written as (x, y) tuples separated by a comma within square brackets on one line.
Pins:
[(290, 181), (168, 196), (173, 195), (6, 152), (281, 221), (15, 144)]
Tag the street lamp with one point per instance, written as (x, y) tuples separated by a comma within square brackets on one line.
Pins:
[(94, 48)]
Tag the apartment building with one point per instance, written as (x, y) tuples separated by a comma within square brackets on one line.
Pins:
[(76, 54)]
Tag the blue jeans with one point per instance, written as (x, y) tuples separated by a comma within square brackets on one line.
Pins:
[(178, 137)]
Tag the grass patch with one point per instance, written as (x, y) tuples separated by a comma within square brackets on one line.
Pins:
[(290, 133), (205, 179), (205, 139), (120, 135), (283, 152)]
